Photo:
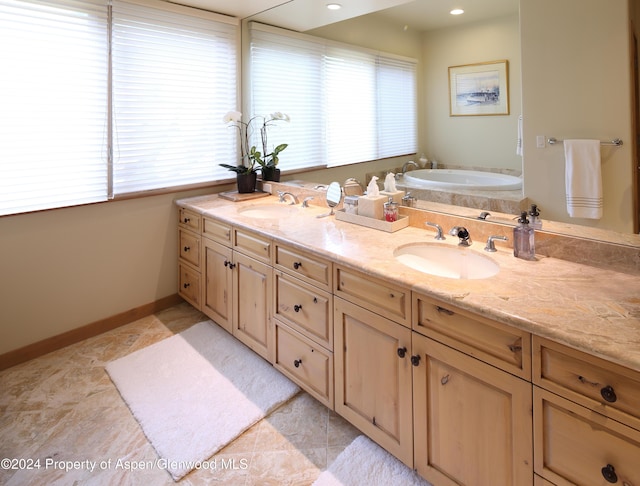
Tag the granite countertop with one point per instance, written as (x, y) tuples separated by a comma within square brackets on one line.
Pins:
[(591, 309)]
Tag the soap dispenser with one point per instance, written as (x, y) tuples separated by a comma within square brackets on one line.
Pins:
[(523, 239), (534, 217)]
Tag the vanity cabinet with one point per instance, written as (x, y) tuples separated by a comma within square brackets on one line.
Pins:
[(586, 418), (190, 280), (303, 317), (471, 398), (373, 361), (237, 284)]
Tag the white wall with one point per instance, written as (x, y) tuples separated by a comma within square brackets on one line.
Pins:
[(576, 84), (471, 141)]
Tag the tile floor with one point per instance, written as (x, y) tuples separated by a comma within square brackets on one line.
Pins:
[(63, 407)]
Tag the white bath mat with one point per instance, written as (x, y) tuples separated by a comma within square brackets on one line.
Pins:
[(365, 463), (195, 392)]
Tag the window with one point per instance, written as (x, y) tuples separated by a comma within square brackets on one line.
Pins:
[(347, 104), (70, 134)]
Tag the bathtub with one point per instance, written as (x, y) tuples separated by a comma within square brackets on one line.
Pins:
[(461, 179)]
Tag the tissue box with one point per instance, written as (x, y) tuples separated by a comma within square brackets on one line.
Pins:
[(396, 196), (372, 207)]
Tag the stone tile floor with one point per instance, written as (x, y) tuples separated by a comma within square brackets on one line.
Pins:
[(63, 407)]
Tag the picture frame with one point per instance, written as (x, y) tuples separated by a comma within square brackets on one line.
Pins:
[(480, 89)]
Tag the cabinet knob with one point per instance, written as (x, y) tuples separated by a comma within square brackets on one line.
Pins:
[(187, 248), (609, 394), (297, 308), (402, 352), (186, 220), (415, 360), (297, 265), (297, 363), (187, 285), (609, 473)]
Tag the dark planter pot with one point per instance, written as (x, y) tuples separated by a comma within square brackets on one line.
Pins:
[(271, 174), (247, 182)]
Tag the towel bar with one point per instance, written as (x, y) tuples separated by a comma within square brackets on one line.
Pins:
[(616, 142)]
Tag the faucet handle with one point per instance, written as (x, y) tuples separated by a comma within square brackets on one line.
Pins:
[(438, 228), (305, 203), (463, 235), (490, 246)]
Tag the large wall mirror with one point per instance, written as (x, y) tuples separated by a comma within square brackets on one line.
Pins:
[(570, 76)]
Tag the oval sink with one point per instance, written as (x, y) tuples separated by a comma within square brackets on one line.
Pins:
[(269, 211), (462, 179), (446, 261)]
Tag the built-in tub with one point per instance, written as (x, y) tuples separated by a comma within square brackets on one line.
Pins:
[(462, 179)]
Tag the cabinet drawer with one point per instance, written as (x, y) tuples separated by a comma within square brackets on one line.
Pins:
[(189, 285), (190, 219), (374, 294), (304, 266), (190, 247), (217, 231), (498, 344), (253, 245), (304, 307), (574, 445), (309, 365), (602, 386)]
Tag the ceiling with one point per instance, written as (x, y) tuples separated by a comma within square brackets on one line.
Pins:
[(303, 15)]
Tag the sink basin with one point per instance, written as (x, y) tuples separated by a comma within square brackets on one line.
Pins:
[(269, 211), (446, 261)]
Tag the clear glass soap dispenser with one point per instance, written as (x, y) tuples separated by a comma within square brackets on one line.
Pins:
[(523, 239)]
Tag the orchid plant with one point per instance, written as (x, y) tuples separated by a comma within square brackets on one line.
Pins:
[(250, 157)]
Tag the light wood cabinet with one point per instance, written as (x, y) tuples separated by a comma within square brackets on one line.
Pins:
[(586, 418), (472, 421), (373, 377), (189, 270), (217, 301)]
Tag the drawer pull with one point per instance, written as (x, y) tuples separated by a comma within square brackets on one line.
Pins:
[(608, 394), (186, 220), (444, 311), (415, 360), (609, 473), (187, 285), (187, 248), (297, 308), (297, 363), (402, 352), (297, 265)]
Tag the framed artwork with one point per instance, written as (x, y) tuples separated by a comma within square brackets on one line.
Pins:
[(479, 89)]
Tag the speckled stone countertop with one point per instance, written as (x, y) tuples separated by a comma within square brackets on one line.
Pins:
[(592, 309)]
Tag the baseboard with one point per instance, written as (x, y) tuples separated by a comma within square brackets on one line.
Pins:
[(40, 348)]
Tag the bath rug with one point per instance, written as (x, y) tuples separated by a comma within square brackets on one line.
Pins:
[(195, 392), (365, 463)]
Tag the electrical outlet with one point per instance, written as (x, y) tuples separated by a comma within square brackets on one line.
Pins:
[(540, 143)]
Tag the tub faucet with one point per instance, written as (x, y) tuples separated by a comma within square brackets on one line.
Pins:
[(462, 234), (283, 197), (408, 164)]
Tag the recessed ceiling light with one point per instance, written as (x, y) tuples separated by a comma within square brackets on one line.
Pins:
[(457, 11), (334, 6)]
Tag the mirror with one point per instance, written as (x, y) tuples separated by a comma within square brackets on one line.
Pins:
[(543, 83), (334, 196)]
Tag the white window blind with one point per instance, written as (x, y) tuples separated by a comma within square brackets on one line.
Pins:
[(174, 78), (347, 104), (53, 104)]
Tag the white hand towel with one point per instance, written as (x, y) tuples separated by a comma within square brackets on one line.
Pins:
[(583, 179)]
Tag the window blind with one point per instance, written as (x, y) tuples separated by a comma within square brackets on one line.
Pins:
[(53, 104), (174, 78), (347, 104)]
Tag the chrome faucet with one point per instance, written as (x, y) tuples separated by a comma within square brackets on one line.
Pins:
[(490, 246), (283, 197), (438, 228), (305, 203), (408, 164), (462, 234)]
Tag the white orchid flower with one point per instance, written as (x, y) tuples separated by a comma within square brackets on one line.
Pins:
[(232, 116), (278, 115)]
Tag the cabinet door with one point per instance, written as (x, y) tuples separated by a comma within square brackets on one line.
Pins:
[(473, 423), (218, 283), (372, 381), (252, 285)]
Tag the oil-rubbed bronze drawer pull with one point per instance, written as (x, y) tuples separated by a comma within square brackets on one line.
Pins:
[(609, 473), (297, 308), (297, 363), (609, 394), (187, 248), (444, 311), (186, 220), (297, 265), (402, 352)]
